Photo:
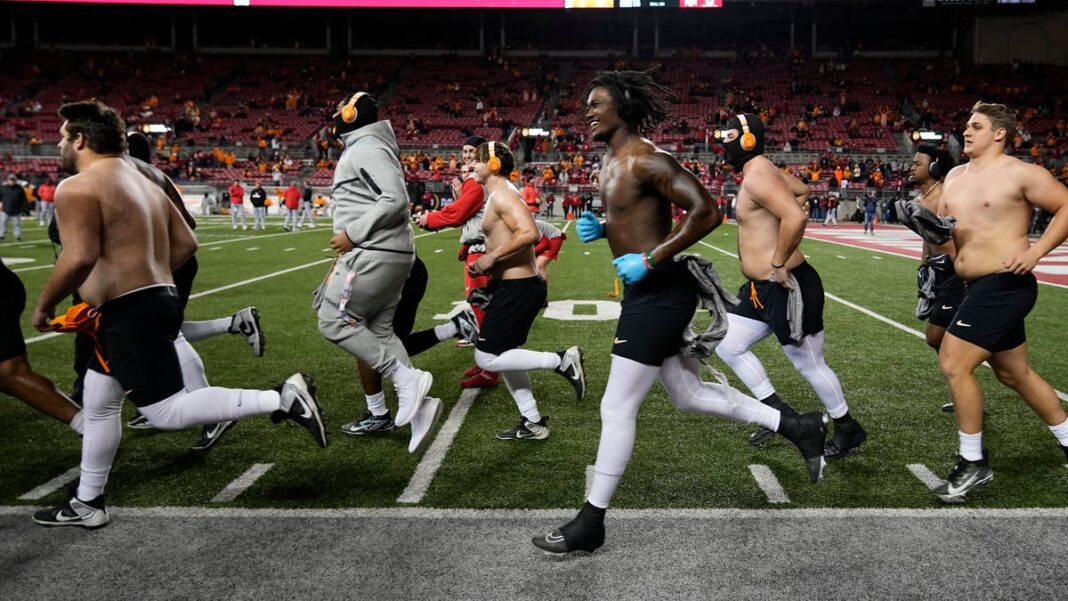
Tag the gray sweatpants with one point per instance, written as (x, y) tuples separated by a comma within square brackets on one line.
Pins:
[(306, 211), (259, 215), (290, 213), (16, 218), (362, 324)]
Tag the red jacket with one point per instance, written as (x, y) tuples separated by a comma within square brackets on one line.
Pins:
[(237, 195), (461, 209), (293, 197)]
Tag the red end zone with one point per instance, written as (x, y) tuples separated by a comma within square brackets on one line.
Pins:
[(899, 240)]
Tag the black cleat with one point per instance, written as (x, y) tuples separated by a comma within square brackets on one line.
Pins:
[(84, 514), (847, 437), (527, 430), (303, 407), (947, 407), (369, 424), (211, 435), (1065, 449), (571, 367), (965, 476), (761, 436), (583, 534), (808, 433)]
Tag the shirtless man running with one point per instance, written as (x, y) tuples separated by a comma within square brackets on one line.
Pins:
[(123, 238), (993, 197)]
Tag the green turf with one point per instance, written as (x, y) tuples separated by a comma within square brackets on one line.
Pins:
[(681, 460)]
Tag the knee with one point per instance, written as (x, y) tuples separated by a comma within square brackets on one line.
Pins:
[(11, 371), (950, 368), (486, 361), (1011, 376)]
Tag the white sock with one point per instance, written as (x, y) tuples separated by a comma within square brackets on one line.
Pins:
[(77, 423), (971, 446), (210, 406), (195, 331), (1061, 432), (445, 331), (376, 404), (517, 360), (518, 383)]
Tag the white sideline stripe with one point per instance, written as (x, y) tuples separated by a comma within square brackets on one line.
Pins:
[(768, 483), (589, 478), (50, 266), (244, 238), (253, 248), (288, 249), (567, 225), (435, 455), (27, 243), (242, 482), (873, 314), (877, 258), (215, 248), (925, 475), (425, 513), (52, 485)]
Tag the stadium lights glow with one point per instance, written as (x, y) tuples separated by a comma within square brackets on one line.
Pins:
[(930, 135), (155, 128), (533, 132)]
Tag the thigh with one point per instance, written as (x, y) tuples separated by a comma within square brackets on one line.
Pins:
[(12, 304)]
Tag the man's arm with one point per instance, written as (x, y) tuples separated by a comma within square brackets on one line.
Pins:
[(1041, 189), (679, 186), (80, 225), (797, 187), (463, 208), (769, 190)]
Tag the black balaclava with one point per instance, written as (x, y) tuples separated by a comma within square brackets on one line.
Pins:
[(366, 114), (734, 154), (138, 146)]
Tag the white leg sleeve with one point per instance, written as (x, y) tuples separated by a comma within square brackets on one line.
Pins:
[(628, 383), (192, 367), (517, 360), (102, 414), (742, 334), (807, 357), (210, 406), (681, 377), (195, 331), (518, 383)]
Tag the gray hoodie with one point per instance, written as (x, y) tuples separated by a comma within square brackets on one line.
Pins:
[(372, 221)]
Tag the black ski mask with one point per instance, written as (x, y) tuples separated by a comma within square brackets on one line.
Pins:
[(359, 109), (748, 145)]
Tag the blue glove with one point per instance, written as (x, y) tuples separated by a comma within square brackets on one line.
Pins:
[(589, 228), (631, 267)]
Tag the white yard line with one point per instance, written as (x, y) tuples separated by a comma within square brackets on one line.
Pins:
[(768, 483), (238, 486), (929, 479), (52, 485), (49, 266), (435, 455)]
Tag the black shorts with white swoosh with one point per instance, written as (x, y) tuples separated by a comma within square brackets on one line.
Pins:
[(948, 295), (991, 316), (656, 312)]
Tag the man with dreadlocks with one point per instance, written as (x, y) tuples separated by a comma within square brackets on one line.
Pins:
[(639, 183)]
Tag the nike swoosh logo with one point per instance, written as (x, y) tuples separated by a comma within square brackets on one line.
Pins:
[(305, 411), (963, 325), (618, 341), (481, 339), (552, 540), (945, 308)]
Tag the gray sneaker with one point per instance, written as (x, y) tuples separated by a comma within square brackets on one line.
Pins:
[(466, 328), (299, 393), (965, 476), (527, 430), (369, 424)]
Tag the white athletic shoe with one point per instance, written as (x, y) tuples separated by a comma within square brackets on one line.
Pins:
[(411, 394), (423, 422)]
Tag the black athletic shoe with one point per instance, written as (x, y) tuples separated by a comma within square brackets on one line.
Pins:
[(847, 437), (139, 422), (85, 514), (246, 322), (585, 534), (527, 430), (807, 432), (965, 476), (571, 368), (369, 424), (304, 409), (761, 436), (466, 326), (211, 435), (947, 407), (1065, 449)]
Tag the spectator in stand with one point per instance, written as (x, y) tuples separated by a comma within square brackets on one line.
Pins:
[(291, 197), (258, 197), (13, 199), (237, 205), (307, 208), (46, 195)]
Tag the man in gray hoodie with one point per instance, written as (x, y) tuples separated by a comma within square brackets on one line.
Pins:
[(376, 250)]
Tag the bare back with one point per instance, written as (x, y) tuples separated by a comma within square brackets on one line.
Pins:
[(638, 217), (133, 236), (992, 215), (506, 215), (758, 225)]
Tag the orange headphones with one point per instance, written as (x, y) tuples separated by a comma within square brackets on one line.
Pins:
[(349, 112), (493, 163), (748, 140)]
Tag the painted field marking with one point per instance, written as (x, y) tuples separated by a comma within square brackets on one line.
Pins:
[(52, 485), (435, 455), (239, 485), (768, 483)]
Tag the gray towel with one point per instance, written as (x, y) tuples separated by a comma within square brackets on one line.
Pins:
[(715, 299), (925, 285), (795, 308), (923, 221)]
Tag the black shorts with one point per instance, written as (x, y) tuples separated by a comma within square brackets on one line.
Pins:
[(770, 304), (991, 316), (948, 295), (514, 304), (136, 334), (12, 304), (183, 280), (655, 314)]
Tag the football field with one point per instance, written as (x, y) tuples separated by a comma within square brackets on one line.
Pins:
[(720, 518)]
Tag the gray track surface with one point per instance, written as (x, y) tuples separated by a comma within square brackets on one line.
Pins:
[(392, 554)]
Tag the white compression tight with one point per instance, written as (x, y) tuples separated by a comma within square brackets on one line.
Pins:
[(513, 366), (196, 331), (628, 384), (806, 357)]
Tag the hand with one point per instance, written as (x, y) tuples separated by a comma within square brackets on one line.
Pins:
[(481, 266), (421, 219), (631, 267), (42, 316), (782, 277), (589, 228), (457, 187), (341, 243), (1021, 263)]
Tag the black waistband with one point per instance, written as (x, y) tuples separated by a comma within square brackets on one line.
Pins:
[(518, 283), (386, 250), (138, 296)]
